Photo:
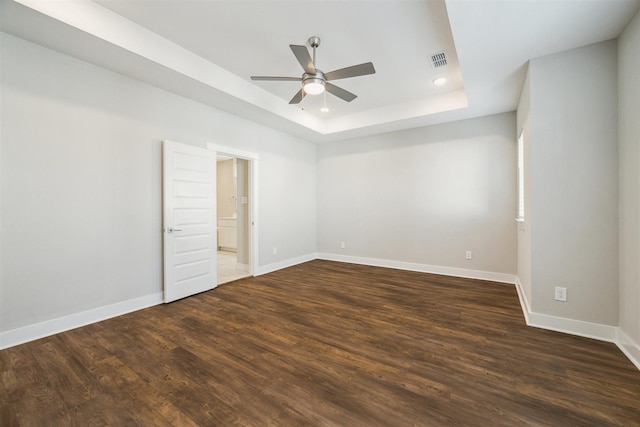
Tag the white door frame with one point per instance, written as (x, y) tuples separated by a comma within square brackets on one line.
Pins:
[(252, 158)]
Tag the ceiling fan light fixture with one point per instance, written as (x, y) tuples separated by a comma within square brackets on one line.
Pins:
[(313, 86)]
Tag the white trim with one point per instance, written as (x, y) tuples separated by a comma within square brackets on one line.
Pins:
[(580, 328), (574, 327), (422, 268), (563, 324), (253, 217), (629, 347), (242, 267), (226, 249), (233, 152), (559, 324), (524, 302), (28, 333), (269, 268), (520, 208)]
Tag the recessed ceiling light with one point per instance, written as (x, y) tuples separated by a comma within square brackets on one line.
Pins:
[(324, 109), (439, 81)]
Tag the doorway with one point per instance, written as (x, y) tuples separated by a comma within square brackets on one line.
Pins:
[(236, 211)]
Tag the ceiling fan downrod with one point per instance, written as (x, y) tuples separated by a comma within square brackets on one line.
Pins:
[(314, 42)]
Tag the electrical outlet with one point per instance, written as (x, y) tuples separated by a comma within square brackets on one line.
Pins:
[(342, 245), (275, 250), (561, 294), (468, 255)]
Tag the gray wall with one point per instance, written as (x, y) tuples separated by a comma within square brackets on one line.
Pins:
[(573, 183), (629, 157), (81, 183), (424, 195)]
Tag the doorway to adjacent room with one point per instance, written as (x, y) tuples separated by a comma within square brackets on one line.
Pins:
[(235, 209)]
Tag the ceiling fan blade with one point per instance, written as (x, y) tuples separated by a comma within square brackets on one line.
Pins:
[(297, 97), (353, 71), (339, 92), (277, 79), (303, 57)]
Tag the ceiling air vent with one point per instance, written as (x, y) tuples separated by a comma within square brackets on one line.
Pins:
[(439, 60)]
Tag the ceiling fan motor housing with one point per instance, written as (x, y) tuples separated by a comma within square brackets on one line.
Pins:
[(318, 76)]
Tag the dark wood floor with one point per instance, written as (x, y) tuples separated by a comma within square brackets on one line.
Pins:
[(322, 343)]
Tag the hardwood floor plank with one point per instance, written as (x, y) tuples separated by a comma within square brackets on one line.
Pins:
[(148, 407), (323, 343), (73, 383)]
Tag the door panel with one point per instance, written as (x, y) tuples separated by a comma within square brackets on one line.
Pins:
[(189, 200)]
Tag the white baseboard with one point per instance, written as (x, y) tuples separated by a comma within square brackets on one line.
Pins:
[(422, 268), (614, 334), (563, 324), (242, 267), (574, 327), (524, 303), (580, 328), (629, 347), (54, 326), (269, 268)]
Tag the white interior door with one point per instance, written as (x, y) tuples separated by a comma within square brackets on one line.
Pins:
[(189, 200)]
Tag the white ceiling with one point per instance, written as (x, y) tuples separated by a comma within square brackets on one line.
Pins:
[(208, 49), (253, 37)]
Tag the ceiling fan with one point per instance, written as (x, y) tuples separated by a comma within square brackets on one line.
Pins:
[(314, 81)]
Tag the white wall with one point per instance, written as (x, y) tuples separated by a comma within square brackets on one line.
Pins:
[(629, 164), (81, 183), (423, 196), (573, 191)]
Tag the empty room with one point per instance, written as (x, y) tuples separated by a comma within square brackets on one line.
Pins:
[(317, 212)]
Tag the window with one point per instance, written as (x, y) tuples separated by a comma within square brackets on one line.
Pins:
[(521, 177)]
